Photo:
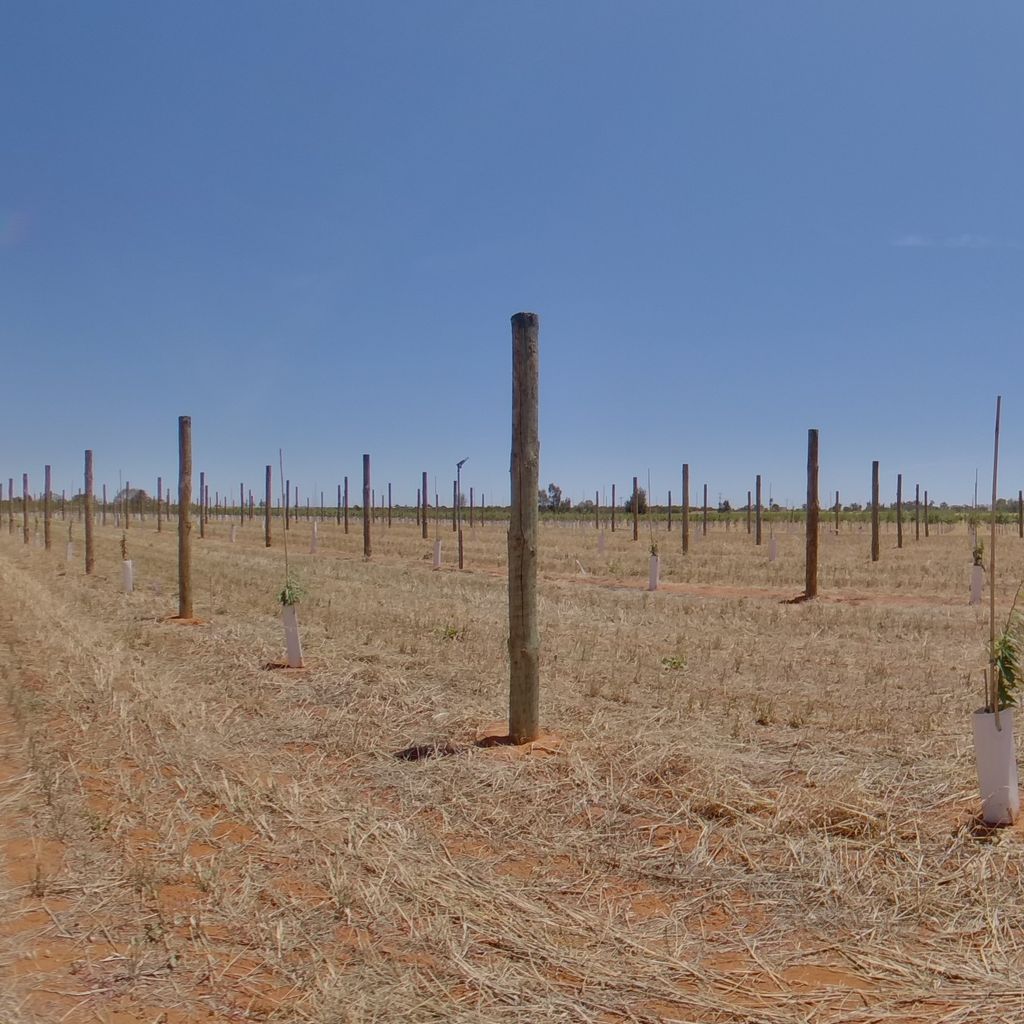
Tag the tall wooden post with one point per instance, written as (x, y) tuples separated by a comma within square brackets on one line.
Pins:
[(874, 511), (668, 525), (704, 521), (471, 508), (811, 575), (104, 505), (24, 507), (750, 512), (993, 693), (423, 518), (389, 506), (159, 504), (367, 507), (287, 504), (926, 513), (523, 635), (90, 557), (1020, 513), (613, 508), (686, 507), (917, 511), (338, 515), (241, 504), (757, 510), (185, 517), (636, 511), (838, 510), (899, 510), (10, 504), (46, 507), (345, 505), (268, 507), (202, 505), (597, 510), (455, 506), (125, 506)]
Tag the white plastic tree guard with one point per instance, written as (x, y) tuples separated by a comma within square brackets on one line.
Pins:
[(437, 554), (653, 572), (977, 583), (290, 617), (996, 756), (127, 576)]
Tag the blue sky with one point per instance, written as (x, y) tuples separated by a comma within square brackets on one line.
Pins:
[(306, 225)]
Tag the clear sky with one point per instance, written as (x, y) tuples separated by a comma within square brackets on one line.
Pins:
[(306, 225)]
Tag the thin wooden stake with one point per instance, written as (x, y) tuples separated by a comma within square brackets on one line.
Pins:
[(757, 513), (90, 557), (268, 507), (423, 510), (367, 507), (686, 507), (636, 511), (874, 511), (992, 675), (46, 507), (899, 510)]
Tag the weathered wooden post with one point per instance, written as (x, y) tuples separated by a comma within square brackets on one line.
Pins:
[(757, 510), (202, 505), (597, 510), (90, 557), (367, 507), (471, 508), (24, 506), (523, 636), (636, 511), (46, 507), (668, 525), (811, 575), (1020, 513), (838, 510), (874, 511), (455, 506), (704, 522), (389, 506), (750, 512), (345, 507), (686, 507), (613, 508), (268, 508), (423, 517), (338, 515), (10, 504), (185, 517), (159, 504), (287, 504), (899, 510), (926, 513), (241, 504)]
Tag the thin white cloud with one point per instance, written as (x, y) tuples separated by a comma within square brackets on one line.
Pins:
[(966, 241)]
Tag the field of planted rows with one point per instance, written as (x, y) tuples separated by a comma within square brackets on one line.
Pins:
[(741, 809)]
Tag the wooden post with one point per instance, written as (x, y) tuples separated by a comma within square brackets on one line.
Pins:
[(636, 511), (367, 507), (597, 510), (419, 507), (811, 575), (345, 506), (268, 508), (104, 504), (993, 696), (899, 510), (523, 636), (423, 517), (1020, 513), (287, 504), (471, 508), (686, 507), (185, 517), (90, 557), (917, 511), (241, 504), (125, 506), (389, 506), (46, 507), (704, 521), (757, 510), (874, 511), (202, 505), (455, 506), (24, 507), (159, 504), (838, 510), (750, 513), (613, 508), (926, 513), (338, 516), (10, 504), (668, 525)]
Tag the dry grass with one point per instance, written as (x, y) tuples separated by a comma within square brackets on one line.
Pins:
[(752, 810)]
